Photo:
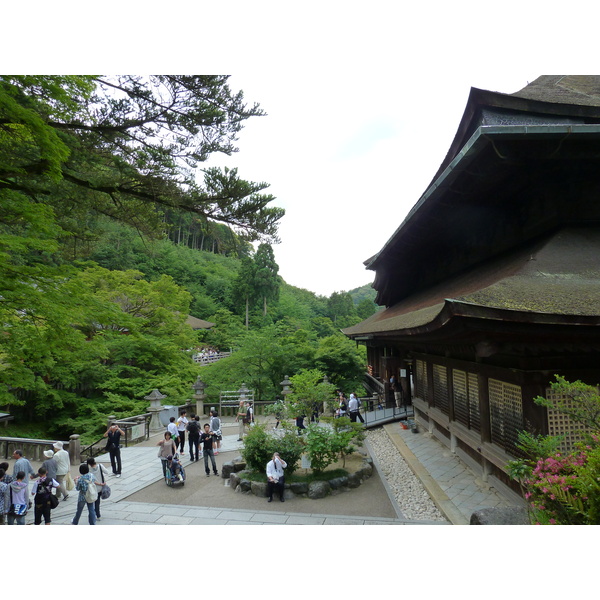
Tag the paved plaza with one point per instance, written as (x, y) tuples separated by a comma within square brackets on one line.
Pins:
[(140, 496)]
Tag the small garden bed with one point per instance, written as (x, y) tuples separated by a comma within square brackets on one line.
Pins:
[(303, 482)]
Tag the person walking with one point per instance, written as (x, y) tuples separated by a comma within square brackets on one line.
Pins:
[(63, 467), (42, 492), (215, 426), (99, 471), (354, 409), (172, 429), (114, 433), (167, 448), (276, 477), (22, 464), (19, 501), (50, 465), (4, 497), (85, 484), (193, 430), (181, 426), (206, 439)]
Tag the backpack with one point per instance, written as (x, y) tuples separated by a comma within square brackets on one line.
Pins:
[(193, 427), (91, 494)]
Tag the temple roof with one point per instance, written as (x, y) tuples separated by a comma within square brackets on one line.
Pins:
[(521, 165), (556, 279)]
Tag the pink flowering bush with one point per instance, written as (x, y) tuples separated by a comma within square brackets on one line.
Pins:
[(563, 488)]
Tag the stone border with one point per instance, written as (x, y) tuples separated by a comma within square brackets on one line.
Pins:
[(234, 471)]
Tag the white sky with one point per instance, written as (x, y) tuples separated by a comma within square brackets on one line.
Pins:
[(363, 99)]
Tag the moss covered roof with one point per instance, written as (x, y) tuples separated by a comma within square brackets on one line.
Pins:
[(559, 275)]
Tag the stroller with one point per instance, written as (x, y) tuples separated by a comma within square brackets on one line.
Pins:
[(175, 473)]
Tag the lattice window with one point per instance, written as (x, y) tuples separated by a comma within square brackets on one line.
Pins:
[(421, 379), (440, 388), (461, 396), (466, 398), (474, 413), (506, 414), (561, 424)]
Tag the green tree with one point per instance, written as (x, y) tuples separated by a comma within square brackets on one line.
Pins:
[(340, 304), (309, 391), (341, 360), (266, 281), (243, 286)]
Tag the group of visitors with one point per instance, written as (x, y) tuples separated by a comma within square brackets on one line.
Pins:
[(206, 355), (349, 408), (208, 439), (51, 482)]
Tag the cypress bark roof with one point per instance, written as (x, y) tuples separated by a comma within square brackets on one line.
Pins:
[(555, 277)]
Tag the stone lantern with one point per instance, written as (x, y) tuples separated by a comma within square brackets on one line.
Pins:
[(155, 409), (199, 395), (243, 391), (285, 384)]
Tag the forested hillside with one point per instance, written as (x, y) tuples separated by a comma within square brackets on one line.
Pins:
[(111, 234)]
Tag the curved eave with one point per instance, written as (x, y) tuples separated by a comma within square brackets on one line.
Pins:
[(454, 310), (481, 138)]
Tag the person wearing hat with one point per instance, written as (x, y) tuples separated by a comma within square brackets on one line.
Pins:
[(63, 466), (50, 464)]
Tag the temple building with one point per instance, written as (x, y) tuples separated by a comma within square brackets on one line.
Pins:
[(491, 284)]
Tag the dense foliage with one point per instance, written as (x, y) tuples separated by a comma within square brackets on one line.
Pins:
[(111, 234)]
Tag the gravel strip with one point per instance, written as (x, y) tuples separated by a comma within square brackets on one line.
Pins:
[(409, 493)]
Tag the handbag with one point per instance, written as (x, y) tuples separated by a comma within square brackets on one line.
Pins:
[(69, 483), (18, 509), (104, 490), (53, 501)]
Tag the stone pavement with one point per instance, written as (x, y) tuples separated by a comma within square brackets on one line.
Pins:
[(455, 490)]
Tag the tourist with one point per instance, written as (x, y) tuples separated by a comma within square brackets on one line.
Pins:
[(4, 497), (241, 419), (7, 476), (193, 429), (300, 423), (342, 406), (98, 471), (275, 476), (113, 446), (207, 438), (22, 464), (41, 492), (167, 448), (172, 429), (181, 425), (83, 484), (19, 501), (249, 414), (63, 467), (50, 464), (354, 409), (215, 426)]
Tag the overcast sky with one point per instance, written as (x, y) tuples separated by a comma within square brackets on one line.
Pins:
[(363, 99)]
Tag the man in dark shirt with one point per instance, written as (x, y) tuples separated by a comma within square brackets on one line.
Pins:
[(206, 439), (114, 433), (193, 429)]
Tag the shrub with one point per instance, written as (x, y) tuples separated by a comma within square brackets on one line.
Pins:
[(259, 446)]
